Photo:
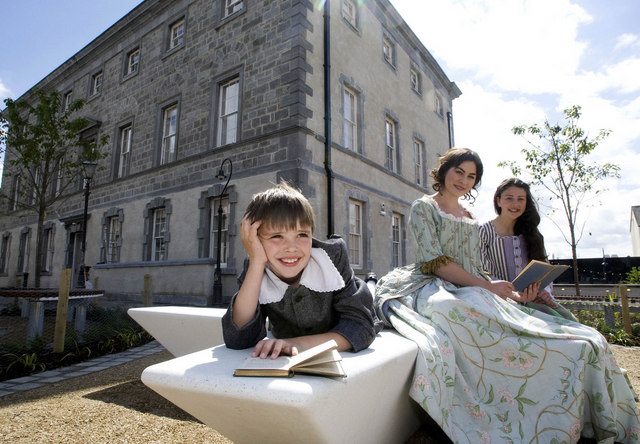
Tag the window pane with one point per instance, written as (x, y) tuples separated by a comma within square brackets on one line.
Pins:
[(228, 112), (224, 232), (158, 252), (169, 135), (355, 234)]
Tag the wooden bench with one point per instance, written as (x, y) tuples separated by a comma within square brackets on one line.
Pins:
[(370, 405)]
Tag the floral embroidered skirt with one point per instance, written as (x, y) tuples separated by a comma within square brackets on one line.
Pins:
[(490, 370)]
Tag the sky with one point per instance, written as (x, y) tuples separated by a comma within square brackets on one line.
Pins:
[(516, 61)]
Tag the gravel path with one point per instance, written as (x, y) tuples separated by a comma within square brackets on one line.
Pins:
[(114, 406)]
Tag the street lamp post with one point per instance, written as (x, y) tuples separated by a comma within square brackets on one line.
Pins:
[(89, 170), (217, 283)]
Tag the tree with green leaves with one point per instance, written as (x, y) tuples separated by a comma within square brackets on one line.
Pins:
[(633, 276), (557, 159), (44, 154)]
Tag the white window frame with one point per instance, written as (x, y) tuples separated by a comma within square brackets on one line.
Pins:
[(159, 227), (228, 111), (213, 230), (169, 134), (133, 62), (356, 246), (232, 6), (414, 79), (388, 50), (350, 122), (350, 12), (176, 34), (96, 83), (418, 160), (15, 195), (112, 239), (48, 244), (396, 239), (438, 104), (390, 138), (126, 135), (67, 100)]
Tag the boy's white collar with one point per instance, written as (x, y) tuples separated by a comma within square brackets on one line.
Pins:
[(319, 275)]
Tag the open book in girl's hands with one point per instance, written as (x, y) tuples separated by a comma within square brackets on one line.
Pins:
[(538, 271), (322, 359)]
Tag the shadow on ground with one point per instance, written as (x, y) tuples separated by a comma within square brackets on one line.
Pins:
[(135, 395)]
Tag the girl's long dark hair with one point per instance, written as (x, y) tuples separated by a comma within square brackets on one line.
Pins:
[(527, 223)]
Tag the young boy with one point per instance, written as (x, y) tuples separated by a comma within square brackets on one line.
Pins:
[(305, 286)]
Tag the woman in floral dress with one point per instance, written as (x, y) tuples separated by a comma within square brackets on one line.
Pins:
[(488, 370)]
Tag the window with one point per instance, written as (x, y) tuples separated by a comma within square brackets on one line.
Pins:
[(5, 247), (169, 130), (133, 62), (438, 104), (391, 144), (113, 239), (48, 243), (396, 240), (176, 34), (158, 248), (232, 6), (224, 232), (59, 176), (388, 51), (350, 123), (96, 84), (124, 150), (355, 234), (23, 252), (208, 204), (36, 182), (415, 80), (349, 12), (15, 193), (417, 160), (67, 99), (156, 238), (228, 112), (111, 235)]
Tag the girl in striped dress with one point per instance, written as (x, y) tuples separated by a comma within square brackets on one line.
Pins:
[(512, 239)]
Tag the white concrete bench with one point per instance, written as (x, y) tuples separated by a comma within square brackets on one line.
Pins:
[(371, 405)]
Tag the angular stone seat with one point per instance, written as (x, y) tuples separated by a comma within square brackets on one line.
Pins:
[(181, 330), (370, 405)]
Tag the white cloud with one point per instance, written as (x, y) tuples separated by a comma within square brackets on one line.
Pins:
[(626, 41), (4, 93)]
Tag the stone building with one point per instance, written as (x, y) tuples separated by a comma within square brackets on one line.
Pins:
[(340, 98)]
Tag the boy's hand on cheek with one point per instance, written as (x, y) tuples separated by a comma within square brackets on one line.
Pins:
[(251, 241), (273, 348)]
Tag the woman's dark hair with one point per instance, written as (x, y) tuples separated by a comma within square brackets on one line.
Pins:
[(451, 159), (281, 207), (527, 223)]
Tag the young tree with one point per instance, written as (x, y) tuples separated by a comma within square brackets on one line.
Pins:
[(44, 154), (556, 159)]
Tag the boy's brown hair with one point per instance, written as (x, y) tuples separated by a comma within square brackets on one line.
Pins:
[(281, 207)]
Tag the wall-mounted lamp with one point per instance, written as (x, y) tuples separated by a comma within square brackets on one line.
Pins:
[(382, 211)]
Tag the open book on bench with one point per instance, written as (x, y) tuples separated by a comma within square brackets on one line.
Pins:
[(322, 359), (538, 271)]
